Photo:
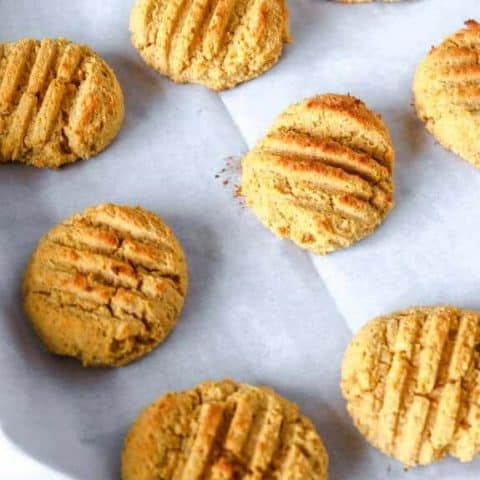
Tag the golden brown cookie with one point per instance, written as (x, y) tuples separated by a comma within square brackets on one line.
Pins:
[(106, 286), (218, 43), (447, 88), (412, 384), (59, 102), (223, 430), (322, 176)]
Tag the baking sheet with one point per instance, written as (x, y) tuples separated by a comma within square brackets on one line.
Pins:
[(257, 310)]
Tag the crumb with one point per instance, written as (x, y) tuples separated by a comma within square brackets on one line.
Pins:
[(229, 175), (238, 192)]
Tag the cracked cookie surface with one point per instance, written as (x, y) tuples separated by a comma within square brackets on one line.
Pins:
[(322, 176), (59, 102), (411, 381), (218, 43), (223, 430), (446, 90), (106, 286)]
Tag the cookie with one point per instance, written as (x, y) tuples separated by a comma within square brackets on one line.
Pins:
[(411, 381), (217, 43), (446, 90), (59, 102), (106, 286), (322, 176), (223, 430)]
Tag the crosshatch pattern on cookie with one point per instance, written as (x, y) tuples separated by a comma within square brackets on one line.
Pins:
[(222, 430), (219, 43), (412, 384), (106, 286), (447, 92), (322, 176), (59, 102)]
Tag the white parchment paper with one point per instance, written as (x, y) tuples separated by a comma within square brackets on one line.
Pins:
[(257, 310), (427, 252)]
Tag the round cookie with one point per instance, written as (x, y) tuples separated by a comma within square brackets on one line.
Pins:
[(59, 102), (411, 381), (106, 286), (322, 176), (218, 43), (446, 89), (223, 430)]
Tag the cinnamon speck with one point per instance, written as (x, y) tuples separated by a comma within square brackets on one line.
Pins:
[(230, 174)]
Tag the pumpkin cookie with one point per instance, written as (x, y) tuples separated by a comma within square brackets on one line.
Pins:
[(447, 88), (223, 430), (412, 384), (59, 102), (106, 286), (322, 176), (218, 43)]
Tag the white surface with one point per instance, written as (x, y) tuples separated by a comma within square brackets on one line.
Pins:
[(257, 309), (16, 465)]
